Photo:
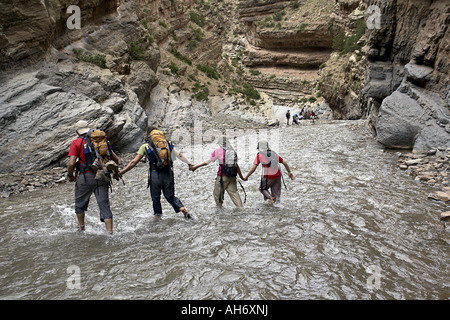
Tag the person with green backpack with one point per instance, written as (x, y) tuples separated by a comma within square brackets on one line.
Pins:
[(227, 173), (160, 153)]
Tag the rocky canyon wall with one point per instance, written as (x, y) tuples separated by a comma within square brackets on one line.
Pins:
[(171, 63), (407, 86), (52, 76)]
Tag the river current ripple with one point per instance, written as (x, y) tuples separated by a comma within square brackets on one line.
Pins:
[(350, 226)]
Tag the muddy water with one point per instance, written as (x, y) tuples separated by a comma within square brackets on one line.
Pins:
[(350, 226)]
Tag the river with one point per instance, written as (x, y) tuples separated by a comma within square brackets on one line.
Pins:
[(350, 226)]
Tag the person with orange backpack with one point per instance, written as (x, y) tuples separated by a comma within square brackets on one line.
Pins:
[(88, 158), (160, 153)]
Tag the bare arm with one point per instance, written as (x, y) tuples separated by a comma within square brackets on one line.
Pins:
[(71, 168), (204, 163), (240, 173), (132, 164), (115, 158), (182, 157), (252, 169), (291, 175)]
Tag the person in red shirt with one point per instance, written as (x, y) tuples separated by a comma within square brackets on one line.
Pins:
[(86, 184), (271, 177)]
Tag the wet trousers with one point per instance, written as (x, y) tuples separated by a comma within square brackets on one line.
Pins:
[(85, 186), (274, 185), (163, 182), (230, 186)]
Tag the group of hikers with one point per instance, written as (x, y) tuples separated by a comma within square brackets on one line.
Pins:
[(304, 115), (92, 162)]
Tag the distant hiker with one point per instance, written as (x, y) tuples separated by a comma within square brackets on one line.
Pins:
[(288, 116), (81, 168), (226, 175), (271, 177), (295, 119), (160, 153), (313, 115)]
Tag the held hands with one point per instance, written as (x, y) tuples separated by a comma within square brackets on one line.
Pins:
[(117, 175), (192, 167)]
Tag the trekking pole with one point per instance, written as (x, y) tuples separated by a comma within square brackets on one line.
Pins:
[(282, 178), (245, 194)]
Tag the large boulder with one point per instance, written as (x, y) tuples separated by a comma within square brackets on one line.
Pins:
[(399, 121), (411, 118), (407, 78)]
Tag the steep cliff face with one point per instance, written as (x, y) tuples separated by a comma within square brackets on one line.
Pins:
[(31, 28), (53, 76), (407, 75), (342, 76), (226, 63), (131, 63), (286, 42)]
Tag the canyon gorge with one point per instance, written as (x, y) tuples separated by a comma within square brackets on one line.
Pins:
[(226, 64)]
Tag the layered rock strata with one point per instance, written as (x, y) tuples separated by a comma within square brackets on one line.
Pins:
[(59, 77), (289, 40)]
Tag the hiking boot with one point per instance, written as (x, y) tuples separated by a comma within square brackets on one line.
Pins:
[(111, 166), (101, 176)]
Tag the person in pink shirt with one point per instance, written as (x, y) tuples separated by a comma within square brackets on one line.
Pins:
[(226, 174), (271, 177)]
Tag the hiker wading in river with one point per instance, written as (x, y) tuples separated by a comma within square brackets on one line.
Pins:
[(161, 154), (226, 175), (80, 169), (271, 177)]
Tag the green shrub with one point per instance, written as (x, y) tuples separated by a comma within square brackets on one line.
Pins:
[(250, 92), (344, 44), (209, 71), (180, 57), (191, 77), (198, 34), (138, 49), (197, 18), (97, 59), (303, 26), (173, 68), (247, 90), (278, 15), (201, 92)]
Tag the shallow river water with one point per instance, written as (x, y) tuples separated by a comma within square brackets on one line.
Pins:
[(350, 226)]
